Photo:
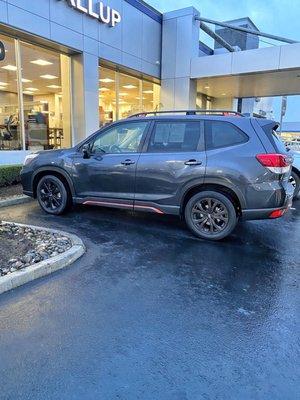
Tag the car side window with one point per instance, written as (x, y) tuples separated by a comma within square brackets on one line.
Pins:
[(223, 134), (123, 138), (172, 137)]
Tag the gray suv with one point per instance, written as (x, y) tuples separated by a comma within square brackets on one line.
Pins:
[(212, 168)]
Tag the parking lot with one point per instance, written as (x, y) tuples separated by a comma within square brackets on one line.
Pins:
[(150, 312)]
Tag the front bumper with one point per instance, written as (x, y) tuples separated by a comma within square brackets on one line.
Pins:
[(26, 181), (266, 213)]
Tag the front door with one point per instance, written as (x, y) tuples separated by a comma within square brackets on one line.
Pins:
[(174, 159), (107, 177)]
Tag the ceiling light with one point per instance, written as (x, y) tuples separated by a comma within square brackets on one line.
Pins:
[(104, 89), (106, 80), (24, 80), (41, 62), (3, 84), (32, 89), (138, 98), (48, 76), (223, 94), (3, 87), (206, 87), (27, 92), (123, 94), (148, 91), (129, 87), (10, 67), (54, 87)]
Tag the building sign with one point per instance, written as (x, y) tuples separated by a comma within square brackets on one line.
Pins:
[(2, 51), (104, 14)]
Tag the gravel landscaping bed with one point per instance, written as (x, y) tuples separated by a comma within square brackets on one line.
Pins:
[(21, 247), (10, 191)]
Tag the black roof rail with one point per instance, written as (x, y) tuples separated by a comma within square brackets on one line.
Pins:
[(188, 112)]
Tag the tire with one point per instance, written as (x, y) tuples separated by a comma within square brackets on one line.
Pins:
[(52, 195), (215, 214), (295, 181)]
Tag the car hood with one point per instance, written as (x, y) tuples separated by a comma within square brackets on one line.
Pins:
[(53, 153)]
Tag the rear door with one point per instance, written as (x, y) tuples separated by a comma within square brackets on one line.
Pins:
[(174, 157)]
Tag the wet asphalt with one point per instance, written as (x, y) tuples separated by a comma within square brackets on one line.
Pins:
[(150, 312)]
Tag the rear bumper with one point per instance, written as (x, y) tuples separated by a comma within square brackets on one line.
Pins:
[(266, 213)]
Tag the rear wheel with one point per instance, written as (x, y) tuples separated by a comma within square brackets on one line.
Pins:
[(52, 195), (295, 181), (210, 215)]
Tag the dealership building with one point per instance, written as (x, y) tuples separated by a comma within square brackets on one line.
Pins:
[(69, 67)]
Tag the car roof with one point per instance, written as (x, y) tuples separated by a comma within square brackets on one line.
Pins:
[(185, 117)]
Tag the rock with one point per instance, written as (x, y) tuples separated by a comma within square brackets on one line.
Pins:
[(18, 265), (28, 258), (4, 271)]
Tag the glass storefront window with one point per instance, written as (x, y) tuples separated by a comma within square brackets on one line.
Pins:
[(107, 96), (35, 98), (10, 128), (151, 96), (129, 96), (121, 95), (46, 98)]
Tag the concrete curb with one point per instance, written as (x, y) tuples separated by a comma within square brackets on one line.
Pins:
[(45, 267), (12, 201)]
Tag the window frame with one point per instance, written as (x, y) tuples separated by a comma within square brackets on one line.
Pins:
[(102, 131), (201, 141), (207, 121)]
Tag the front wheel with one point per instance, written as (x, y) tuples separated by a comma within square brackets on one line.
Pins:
[(210, 215), (52, 195)]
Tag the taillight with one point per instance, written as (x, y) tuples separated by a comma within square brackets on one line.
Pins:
[(277, 214), (277, 163)]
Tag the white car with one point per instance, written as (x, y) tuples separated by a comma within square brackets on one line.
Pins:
[(295, 177)]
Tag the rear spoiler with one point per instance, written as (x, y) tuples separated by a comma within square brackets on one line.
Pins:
[(268, 122)]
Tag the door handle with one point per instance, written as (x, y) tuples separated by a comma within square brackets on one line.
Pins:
[(193, 162), (128, 162)]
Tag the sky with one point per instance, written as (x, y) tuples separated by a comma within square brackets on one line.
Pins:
[(277, 17)]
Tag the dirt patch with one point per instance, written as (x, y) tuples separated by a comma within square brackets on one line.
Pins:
[(12, 244), (10, 191), (21, 247)]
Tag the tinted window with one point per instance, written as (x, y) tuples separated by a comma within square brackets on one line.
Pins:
[(123, 138), (223, 134), (172, 137), (275, 139)]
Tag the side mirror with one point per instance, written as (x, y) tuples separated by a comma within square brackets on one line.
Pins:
[(86, 151)]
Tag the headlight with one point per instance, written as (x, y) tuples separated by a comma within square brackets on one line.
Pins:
[(29, 158)]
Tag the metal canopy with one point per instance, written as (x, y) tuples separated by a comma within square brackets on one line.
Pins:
[(246, 30)]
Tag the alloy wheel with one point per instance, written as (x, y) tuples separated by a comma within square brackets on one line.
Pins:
[(293, 182), (210, 216), (50, 195)]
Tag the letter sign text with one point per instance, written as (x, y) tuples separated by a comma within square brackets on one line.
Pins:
[(98, 10)]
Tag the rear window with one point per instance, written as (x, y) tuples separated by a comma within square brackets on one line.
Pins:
[(223, 134), (170, 137), (274, 138)]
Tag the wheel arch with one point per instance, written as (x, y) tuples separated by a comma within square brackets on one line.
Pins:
[(55, 171), (220, 188), (296, 170)]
